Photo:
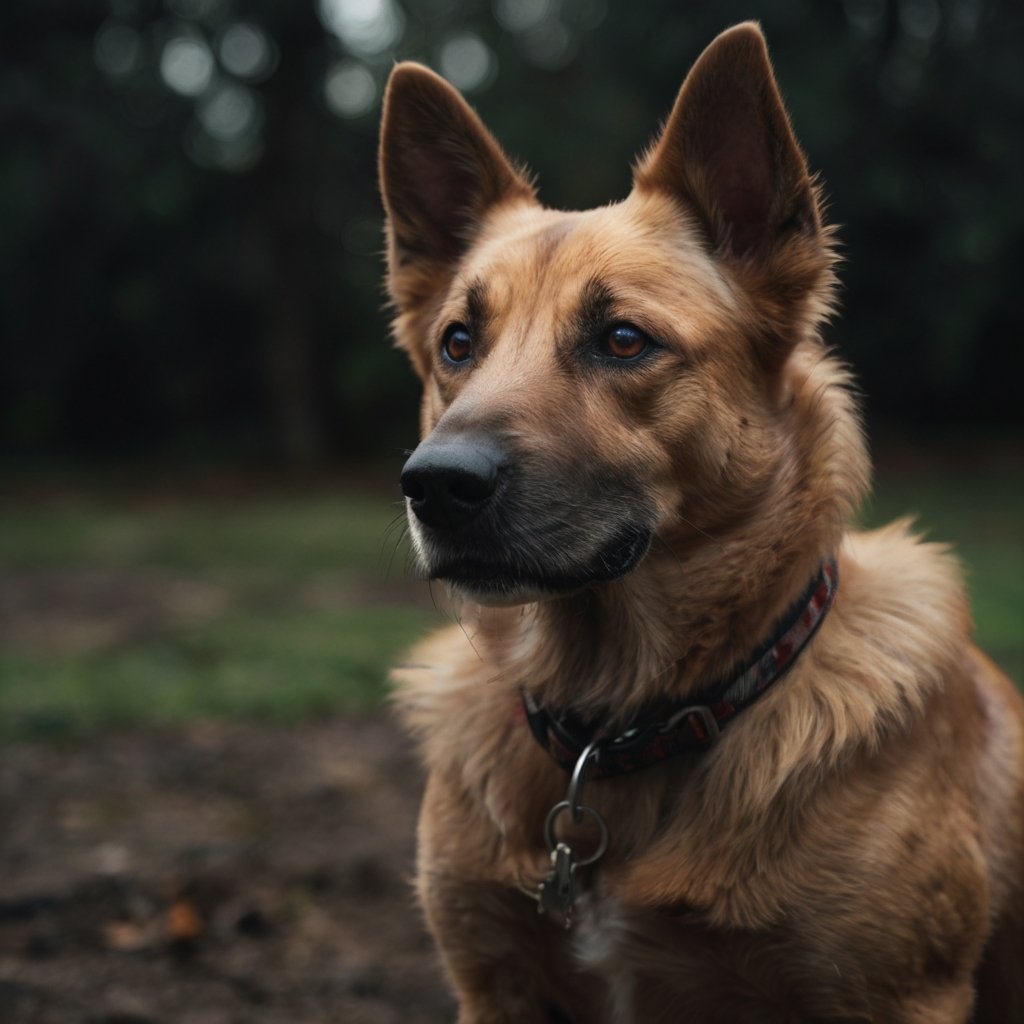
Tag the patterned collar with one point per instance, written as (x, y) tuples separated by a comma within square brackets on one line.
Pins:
[(669, 729)]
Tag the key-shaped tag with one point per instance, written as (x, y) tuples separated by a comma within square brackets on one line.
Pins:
[(557, 893)]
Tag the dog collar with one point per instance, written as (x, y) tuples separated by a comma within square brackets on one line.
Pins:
[(665, 730)]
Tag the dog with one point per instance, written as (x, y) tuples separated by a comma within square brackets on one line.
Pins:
[(695, 749)]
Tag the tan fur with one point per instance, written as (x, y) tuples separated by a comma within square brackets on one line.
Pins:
[(852, 848)]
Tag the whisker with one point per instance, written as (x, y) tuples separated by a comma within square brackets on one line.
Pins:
[(469, 639), (399, 523), (703, 533)]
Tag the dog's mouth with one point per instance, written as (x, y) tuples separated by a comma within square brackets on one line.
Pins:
[(508, 576)]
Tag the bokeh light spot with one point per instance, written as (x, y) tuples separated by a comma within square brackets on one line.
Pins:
[(962, 20), (186, 65), (920, 18), (584, 14), (520, 15), (246, 51), (865, 16), (549, 45), (117, 49), (350, 89), (466, 61), (235, 155), (198, 10), (364, 26), (229, 112)]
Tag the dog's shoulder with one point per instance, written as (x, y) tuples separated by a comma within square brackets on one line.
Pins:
[(897, 636), (446, 692), (881, 664), (902, 615), (431, 683)]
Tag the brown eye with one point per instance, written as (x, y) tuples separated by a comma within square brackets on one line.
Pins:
[(625, 342), (457, 345)]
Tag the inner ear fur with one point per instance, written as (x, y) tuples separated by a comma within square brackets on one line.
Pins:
[(441, 171)]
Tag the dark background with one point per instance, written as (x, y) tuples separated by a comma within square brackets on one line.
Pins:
[(190, 231)]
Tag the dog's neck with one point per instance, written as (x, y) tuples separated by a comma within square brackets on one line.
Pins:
[(699, 604), (664, 632)]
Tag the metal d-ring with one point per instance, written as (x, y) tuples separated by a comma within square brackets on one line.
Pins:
[(573, 803), (574, 794), (602, 828)]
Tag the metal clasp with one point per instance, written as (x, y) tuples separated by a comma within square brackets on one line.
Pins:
[(574, 794), (556, 894), (704, 713)]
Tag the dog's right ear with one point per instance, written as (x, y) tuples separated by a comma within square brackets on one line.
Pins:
[(729, 153), (441, 171)]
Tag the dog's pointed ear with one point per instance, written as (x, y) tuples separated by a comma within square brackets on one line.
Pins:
[(441, 171), (729, 153)]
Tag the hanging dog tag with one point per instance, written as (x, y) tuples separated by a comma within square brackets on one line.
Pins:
[(557, 892)]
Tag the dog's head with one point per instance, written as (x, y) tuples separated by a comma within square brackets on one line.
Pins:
[(597, 382)]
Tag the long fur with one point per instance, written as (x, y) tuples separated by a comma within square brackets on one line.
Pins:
[(852, 848)]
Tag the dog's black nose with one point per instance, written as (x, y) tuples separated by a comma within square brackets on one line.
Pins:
[(449, 481)]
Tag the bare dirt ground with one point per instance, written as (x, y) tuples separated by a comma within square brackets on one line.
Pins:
[(217, 873)]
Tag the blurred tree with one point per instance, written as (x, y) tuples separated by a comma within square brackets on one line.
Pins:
[(189, 226)]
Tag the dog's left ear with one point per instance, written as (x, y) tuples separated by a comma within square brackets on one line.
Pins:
[(729, 154), (441, 171)]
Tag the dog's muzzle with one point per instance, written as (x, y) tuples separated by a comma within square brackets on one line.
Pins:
[(503, 526)]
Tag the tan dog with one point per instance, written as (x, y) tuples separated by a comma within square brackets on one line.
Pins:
[(804, 801)]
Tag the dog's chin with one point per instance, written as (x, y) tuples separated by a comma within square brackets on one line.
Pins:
[(501, 593), (500, 584)]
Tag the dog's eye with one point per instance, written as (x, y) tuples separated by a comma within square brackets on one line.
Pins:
[(624, 341), (457, 345)]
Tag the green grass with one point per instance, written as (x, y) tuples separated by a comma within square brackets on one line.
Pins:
[(282, 667), (267, 649), (284, 536)]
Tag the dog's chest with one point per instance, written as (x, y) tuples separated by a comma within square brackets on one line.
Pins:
[(653, 962), (599, 945), (651, 967)]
